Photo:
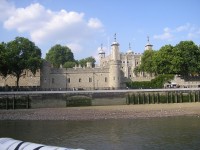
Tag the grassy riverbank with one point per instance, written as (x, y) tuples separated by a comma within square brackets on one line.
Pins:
[(103, 112)]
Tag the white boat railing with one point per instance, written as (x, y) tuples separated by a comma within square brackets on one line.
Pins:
[(12, 144)]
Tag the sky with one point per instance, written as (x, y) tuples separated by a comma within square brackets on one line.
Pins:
[(83, 25)]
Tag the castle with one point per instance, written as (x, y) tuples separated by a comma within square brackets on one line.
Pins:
[(111, 73)]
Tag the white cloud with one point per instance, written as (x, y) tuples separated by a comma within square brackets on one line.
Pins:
[(167, 35), (47, 26), (6, 9), (187, 31), (95, 23), (27, 19), (183, 27), (75, 47)]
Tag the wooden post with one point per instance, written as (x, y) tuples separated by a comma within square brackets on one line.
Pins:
[(176, 97), (14, 102), (7, 103), (158, 100), (132, 98), (27, 104), (181, 100), (171, 97), (189, 96), (194, 96), (148, 98), (153, 98), (138, 98), (167, 97), (143, 98)]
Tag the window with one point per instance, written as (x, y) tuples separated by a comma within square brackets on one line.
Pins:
[(68, 80), (106, 79), (90, 79), (79, 80), (52, 80)]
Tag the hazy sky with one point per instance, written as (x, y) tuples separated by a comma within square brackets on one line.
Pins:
[(83, 25)]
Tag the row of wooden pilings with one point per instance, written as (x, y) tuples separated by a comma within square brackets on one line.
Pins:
[(162, 97), (15, 102)]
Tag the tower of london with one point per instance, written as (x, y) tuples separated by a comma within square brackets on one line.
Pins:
[(112, 72)]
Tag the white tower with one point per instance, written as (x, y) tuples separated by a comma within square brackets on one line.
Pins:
[(127, 56), (115, 55), (114, 68), (148, 46)]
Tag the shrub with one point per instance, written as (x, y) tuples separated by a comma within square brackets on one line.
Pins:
[(157, 82)]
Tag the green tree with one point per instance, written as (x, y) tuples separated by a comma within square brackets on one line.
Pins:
[(147, 63), (163, 60), (3, 60), (186, 58), (59, 55), (84, 61), (69, 64), (22, 54)]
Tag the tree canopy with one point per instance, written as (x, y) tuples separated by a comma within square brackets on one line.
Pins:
[(147, 63), (163, 60), (3, 62), (84, 61), (182, 59), (59, 55), (19, 55), (186, 58)]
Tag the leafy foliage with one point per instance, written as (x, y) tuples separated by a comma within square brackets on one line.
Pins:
[(163, 60), (3, 63), (69, 64), (182, 59), (186, 58), (83, 62), (158, 82), (19, 55), (59, 55), (147, 63)]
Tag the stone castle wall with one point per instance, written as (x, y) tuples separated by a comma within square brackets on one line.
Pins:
[(27, 79), (74, 78)]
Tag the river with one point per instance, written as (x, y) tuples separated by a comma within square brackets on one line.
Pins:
[(120, 134)]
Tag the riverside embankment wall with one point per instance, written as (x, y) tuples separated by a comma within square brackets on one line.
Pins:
[(53, 99)]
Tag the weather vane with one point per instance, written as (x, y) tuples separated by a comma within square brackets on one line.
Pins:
[(115, 35), (147, 38)]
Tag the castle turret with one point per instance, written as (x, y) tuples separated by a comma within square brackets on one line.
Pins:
[(148, 46), (101, 53), (129, 50), (115, 55), (114, 66)]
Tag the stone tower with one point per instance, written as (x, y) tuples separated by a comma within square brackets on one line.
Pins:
[(148, 46), (128, 54), (114, 66)]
